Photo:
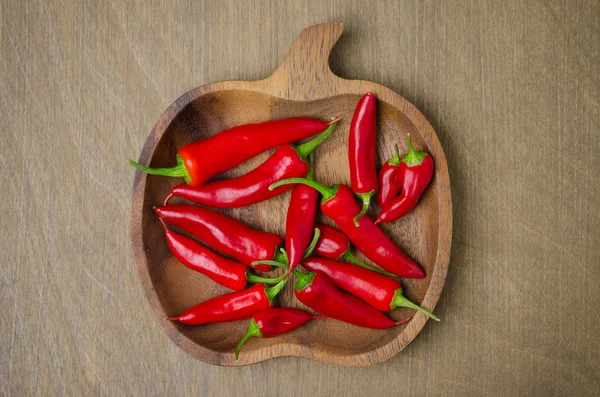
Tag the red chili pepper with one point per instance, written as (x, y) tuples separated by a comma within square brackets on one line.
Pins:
[(334, 244), (274, 322), (416, 171), (381, 292), (225, 234), (338, 203), (199, 161), (317, 292), (362, 148), (228, 273), (300, 220), (253, 187), (234, 306), (282, 257), (390, 182)]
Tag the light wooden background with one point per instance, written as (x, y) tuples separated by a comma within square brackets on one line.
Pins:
[(512, 88)]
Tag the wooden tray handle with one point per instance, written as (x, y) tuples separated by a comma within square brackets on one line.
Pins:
[(304, 73)]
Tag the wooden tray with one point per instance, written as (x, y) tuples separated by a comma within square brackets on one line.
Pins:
[(302, 86)]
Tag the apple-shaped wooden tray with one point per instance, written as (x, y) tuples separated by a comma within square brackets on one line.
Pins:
[(302, 86)]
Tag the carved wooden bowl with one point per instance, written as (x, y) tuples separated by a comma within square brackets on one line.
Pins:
[(302, 86)]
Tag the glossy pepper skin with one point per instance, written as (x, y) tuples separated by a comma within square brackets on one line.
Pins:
[(334, 244), (199, 161), (338, 203), (224, 234), (234, 306), (300, 220), (362, 148), (390, 182), (231, 274), (287, 162), (274, 322), (416, 171), (381, 292), (317, 292)]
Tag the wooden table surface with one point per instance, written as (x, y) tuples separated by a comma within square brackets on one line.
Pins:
[(512, 89)]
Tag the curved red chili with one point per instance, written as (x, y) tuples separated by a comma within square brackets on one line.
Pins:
[(390, 182), (224, 234), (334, 244), (362, 147), (381, 292), (416, 171), (228, 273), (300, 220), (234, 306), (199, 161), (338, 203), (287, 161), (274, 322), (317, 292)]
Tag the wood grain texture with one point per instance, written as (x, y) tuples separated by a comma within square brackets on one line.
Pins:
[(302, 86), (511, 88)]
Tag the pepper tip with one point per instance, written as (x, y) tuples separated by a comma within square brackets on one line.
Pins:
[(164, 225)]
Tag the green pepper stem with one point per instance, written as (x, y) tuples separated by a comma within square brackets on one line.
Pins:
[(253, 331), (313, 243), (366, 199), (272, 292), (307, 253), (285, 255), (177, 171), (326, 192), (411, 149), (396, 159), (311, 167), (275, 263), (280, 257), (304, 149), (413, 157), (350, 258), (400, 300), (253, 278), (304, 280)]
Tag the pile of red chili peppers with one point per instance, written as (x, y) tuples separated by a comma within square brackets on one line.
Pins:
[(338, 285)]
